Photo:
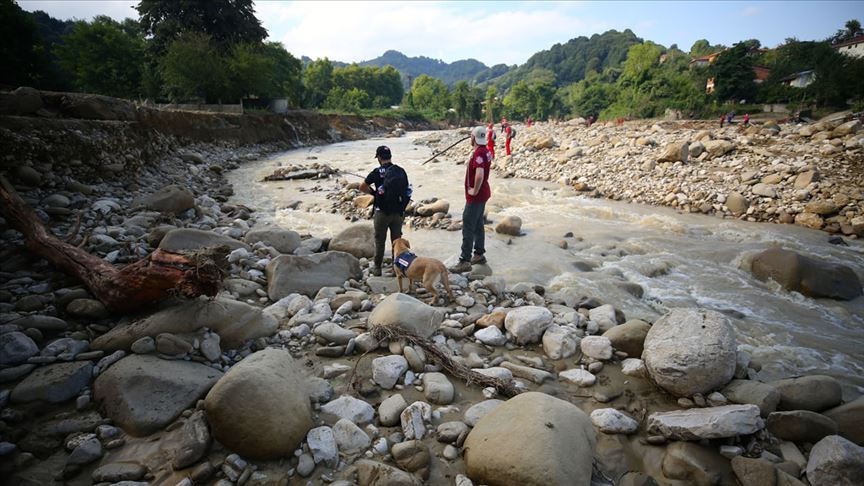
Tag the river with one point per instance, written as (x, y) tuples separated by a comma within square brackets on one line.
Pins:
[(678, 259)]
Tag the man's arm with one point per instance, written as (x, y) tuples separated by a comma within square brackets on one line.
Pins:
[(365, 188), (478, 180)]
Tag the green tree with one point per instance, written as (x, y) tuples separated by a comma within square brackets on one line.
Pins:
[(226, 22), (493, 107), (249, 72), (22, 53), (103, 57), (641, 60), (193, 67), (430, 94), (287, 79), (852, 29), (317, 82), (461, 100), (733, 74)]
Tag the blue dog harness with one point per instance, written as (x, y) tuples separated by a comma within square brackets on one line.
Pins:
[(404, 260)]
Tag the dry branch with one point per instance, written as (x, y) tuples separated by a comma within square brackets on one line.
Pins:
[(160, 275)]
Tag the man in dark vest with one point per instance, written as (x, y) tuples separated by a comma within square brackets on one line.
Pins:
[(392, 194)]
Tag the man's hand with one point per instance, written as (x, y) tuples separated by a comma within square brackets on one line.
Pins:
[(365, 188)]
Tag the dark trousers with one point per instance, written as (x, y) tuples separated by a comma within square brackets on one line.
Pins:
[(384, 222), (473, 235)]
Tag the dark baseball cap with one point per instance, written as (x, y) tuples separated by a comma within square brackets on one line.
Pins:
[(383, 151)]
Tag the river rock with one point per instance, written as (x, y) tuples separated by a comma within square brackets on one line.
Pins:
[(357, 239), (717, 148), (86, 452), (809, 276), (334, 333), (603, 316), (407, 313), (801, 426), (510, 225), (809, 220), (706, 423), (437, 388), (143, 393), (849, 418), (597, 347), (675, 152), (696, 465), (171, 199), (234, 321), (54, 383), (763, 395), (350, 408), (737, 203), (629, 337), (611, 421), (491, 336), (480, 410), (87, 308), (289, 274), (578, 377), (349, 437), (413, 420), (194, 239), (690, 351), (835, 461), (323, 446), (372, 473), (515, 444), (194, 441), (260, 408), (527, 324), (280, 239), (390, 410), (560, 342), (805, 178), (439, 206), (42, 323), (387, 370), (116, 472), (814, 393), (16, 348)]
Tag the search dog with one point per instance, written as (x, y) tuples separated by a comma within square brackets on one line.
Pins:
[(427, 270)]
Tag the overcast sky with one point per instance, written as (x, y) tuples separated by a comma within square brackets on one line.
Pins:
[(505, 32)]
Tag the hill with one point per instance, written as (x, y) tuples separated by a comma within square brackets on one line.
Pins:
[(449, 73)]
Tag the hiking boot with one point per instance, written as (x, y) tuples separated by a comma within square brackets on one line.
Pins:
[(461, 267), (478, 259), (375, 271)]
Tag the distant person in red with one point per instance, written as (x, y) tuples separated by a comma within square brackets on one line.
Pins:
[(490, 140), (746, 119), (722, 119), (508, 134), (529, 122)]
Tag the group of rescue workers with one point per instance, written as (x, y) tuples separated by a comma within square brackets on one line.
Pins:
[(388, 183)]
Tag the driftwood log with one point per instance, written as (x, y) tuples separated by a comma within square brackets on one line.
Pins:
[(160, 275)]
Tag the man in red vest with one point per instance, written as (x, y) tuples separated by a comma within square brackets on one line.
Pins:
[(477, 192)]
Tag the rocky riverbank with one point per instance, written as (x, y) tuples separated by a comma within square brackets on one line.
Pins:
[(285, 377), (806, 174)]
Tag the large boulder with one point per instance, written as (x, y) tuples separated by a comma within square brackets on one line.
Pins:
[(282, 240), (814, 393), (809, 276), (835, 461), (407, 313), (706, 423), (763, 395), (23, 101), (849, 418), (260, 408), (511, 225), (54, 383), (169, 199), (696, 465), (234, 321), (527, 323), (357, 239), (689, 351), (675, 152), (195, 239), (143, 393), (16, 347), (288, 274), (717, 148), (801, 426), (439, 206), (532, 439), (629, 337)]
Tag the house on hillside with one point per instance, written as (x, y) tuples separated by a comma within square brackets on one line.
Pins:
[(704, 60), (800, 80), (853, 47), (760, 74)]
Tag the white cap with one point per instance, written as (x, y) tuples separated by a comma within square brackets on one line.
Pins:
[(479, 134)]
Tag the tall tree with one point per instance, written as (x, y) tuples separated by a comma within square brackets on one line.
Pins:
[(461, 100), (430, 94), (227, 22), (733, 74), (287, 80), (192, 67), (852, 29), (317, 82), (103, 57), (21, 52)]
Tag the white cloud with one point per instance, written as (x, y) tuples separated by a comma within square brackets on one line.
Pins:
[(751, 11), (356, 31), (83, 9)]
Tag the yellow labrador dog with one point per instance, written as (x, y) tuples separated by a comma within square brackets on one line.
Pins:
[(428, 270)]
